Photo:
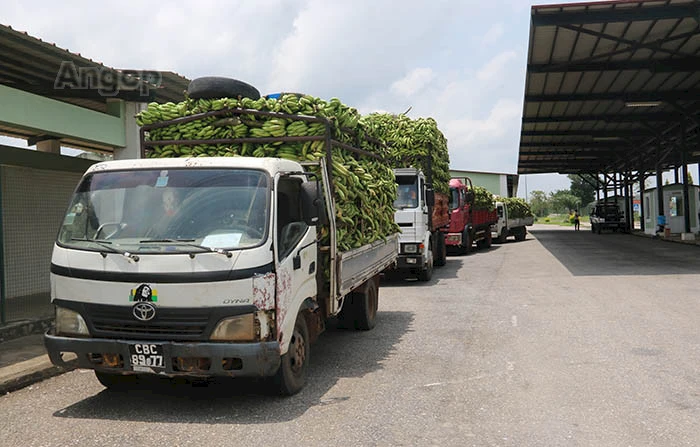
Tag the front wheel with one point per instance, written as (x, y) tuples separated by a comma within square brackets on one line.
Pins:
[(291, 376), (427, 273), (441, 250), (467, 242)]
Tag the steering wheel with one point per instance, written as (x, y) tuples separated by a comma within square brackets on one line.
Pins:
[(118, 226)]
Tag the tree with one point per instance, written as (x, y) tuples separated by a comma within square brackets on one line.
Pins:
[(563, 201), (583, 187), (539, 203)]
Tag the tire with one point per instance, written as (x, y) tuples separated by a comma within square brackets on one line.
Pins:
[(592, 228), (521, 234), (361, 309), (597, 229), (503, 237), (117, 382), (220, 87), (488, 241), (291, 376), (467, 242), (441, 250), (427, 273)]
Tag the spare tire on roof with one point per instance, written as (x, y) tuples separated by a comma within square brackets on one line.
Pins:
[(218, 87)]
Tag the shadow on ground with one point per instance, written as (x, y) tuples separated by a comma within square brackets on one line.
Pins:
[(338, 354), (610, 254)]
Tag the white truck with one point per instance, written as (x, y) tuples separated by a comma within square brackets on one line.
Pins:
[(231, 283), (508, 225), (420, 213)]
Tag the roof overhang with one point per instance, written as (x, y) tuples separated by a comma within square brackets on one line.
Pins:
[(611, 86)]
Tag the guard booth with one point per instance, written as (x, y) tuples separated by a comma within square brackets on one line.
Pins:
[(674, 208)]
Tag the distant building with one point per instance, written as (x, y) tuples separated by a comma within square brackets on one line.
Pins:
[(500, 184)]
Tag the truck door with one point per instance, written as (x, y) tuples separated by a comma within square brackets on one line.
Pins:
[(295, 252)]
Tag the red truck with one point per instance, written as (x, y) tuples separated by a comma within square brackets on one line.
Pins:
[(469, 224)]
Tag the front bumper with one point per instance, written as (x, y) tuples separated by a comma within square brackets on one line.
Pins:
[(409, 261), (259, 359)]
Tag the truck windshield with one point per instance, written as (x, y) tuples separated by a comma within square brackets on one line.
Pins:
[(175, 210), (407, 193)]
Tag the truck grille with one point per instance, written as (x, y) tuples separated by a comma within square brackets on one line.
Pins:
[(169, 323)]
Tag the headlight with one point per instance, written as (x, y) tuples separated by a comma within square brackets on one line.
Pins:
[(69, 322), (239, 328), (410, 248)]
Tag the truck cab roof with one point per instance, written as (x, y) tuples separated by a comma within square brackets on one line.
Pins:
[(266, 164)]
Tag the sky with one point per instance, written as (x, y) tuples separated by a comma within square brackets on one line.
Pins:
[(462, 62)]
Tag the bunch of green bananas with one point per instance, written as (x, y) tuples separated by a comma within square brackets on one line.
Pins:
[(483, 198), (410, 142), (517, 207), (364, 187)]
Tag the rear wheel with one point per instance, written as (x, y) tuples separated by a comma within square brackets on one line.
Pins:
[(503, 236), (521, 234), (360, 308), (291, 376)]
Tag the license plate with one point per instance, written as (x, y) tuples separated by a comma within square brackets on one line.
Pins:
[(146, 355)]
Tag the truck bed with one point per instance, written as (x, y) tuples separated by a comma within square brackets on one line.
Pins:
[(441, 211), (521, 222), (360, 264), (482, 217)]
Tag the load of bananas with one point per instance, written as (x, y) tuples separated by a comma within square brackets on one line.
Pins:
[(410, 142), (364, 186), (517, 207), (483, 198)]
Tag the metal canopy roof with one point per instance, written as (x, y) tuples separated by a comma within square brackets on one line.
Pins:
[(30, 64), (612, 87)]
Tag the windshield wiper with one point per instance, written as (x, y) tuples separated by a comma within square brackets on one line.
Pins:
[(107, 245), (188, 243)]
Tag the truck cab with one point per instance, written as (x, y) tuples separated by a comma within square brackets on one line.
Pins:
[(607, 215), (421, 247), (193, 267)]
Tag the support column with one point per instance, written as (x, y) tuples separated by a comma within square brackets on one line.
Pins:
[(132, 150), (642, 213), (51, 146), (686, 194), (660, 216), (629, 190)]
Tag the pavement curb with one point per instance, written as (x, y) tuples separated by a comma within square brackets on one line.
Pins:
[(28, 372)]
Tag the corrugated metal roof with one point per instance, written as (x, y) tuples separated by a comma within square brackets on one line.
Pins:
[(610, 85), (30, 64)]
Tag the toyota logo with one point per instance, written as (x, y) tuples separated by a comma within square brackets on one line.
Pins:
[(144, 311)]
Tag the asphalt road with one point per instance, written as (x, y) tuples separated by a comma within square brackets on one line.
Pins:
[(567, 338)]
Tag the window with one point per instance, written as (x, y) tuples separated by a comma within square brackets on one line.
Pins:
[(290, 225), (675, 206)]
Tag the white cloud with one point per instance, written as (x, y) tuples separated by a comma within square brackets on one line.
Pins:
[(493, 34), (415, 80), (494, 69), (462, 63)]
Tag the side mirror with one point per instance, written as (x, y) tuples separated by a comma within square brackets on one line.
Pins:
[(312, 205), (430, 197)]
